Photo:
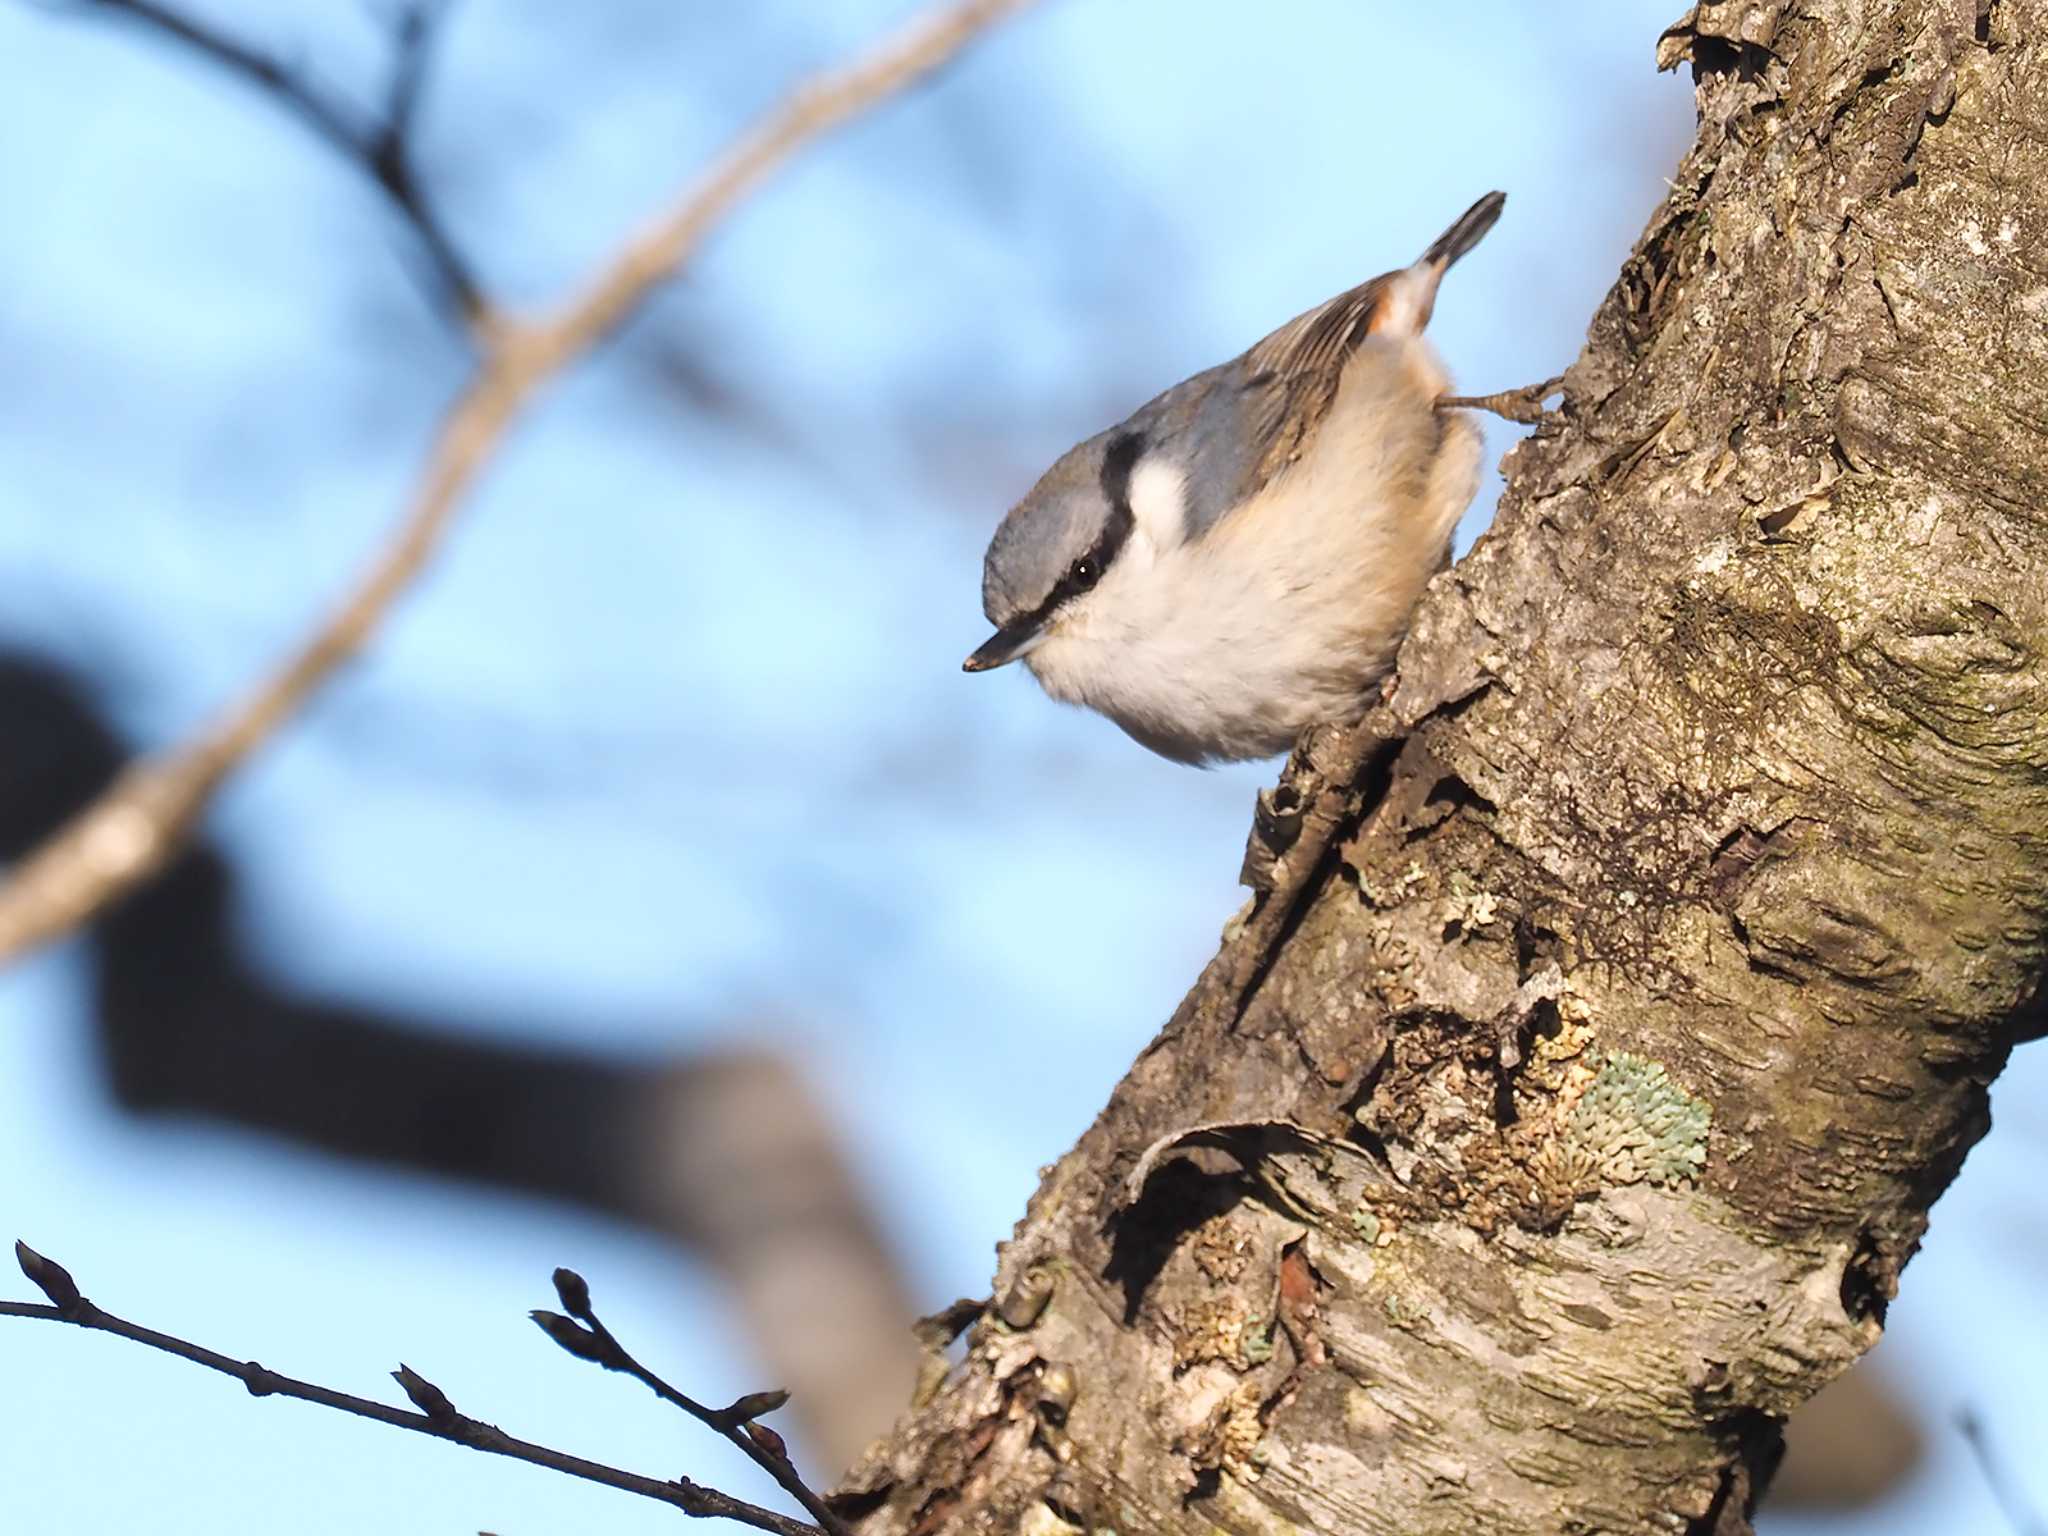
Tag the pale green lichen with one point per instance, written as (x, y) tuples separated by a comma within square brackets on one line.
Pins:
[(1635, 1125), (1257, 1345), (1471, 908)]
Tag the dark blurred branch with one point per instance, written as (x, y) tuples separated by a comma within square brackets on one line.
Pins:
[(584, 1336), (437, 1417), (135, 828), (2005, 1488), (725, 1151), (419, 24), (383, 149), (1856, 1443)]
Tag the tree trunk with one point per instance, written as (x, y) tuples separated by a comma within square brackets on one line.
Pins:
[(1683, 899)]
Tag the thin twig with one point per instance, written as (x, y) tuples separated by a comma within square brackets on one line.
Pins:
[(419, 25), (383, 149), (134, 828), (1998, 1477), (594, 1342), (438, 1417)]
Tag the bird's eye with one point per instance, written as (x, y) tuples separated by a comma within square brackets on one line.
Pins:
[(1086, 572)]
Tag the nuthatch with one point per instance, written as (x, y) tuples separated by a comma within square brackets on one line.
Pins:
[(1237, 560)]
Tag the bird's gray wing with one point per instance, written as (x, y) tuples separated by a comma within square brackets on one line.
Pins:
[(1291, 377), (1249, 419)]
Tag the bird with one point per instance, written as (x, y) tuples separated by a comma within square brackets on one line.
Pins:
[(1238, 560)]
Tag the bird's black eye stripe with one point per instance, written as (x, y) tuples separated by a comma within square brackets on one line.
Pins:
[(1119, 458), (1086, 571)]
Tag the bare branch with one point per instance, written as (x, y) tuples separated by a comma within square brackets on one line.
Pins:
[(438, 1416), (133, 829), (382, 149), (588, 1339), (390, 155)]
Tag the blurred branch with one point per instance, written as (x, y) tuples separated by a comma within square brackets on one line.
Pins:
[(1855, 1443), (583, 1336), (1998, 1477), (382, 148), (419, 23), (130, 832), (437, 1416), (726, 1151)]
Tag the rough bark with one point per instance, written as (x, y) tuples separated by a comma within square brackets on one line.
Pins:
[(1686, 894)]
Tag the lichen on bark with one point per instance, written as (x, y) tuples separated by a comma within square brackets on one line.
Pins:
[(1686, 894)]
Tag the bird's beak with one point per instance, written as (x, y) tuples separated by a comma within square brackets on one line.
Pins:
[(1006, 645)]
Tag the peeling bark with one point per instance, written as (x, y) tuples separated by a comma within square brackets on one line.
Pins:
[(1684, 897)]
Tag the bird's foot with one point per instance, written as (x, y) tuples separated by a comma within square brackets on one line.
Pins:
[(1523, 405)]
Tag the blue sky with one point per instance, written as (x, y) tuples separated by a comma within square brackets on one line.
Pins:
[(672, 741)]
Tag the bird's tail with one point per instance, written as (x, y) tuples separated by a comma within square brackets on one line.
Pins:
[(1470, 229)]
